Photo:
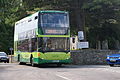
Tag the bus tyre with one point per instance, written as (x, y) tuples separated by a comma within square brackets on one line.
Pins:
[(111, 65), (34, 65), (21, 63)]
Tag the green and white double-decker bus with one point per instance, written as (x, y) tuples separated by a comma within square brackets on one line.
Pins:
[(43, 37)]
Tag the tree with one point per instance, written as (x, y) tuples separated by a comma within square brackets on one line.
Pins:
[(95, 17), (10, 12), (102, 20)]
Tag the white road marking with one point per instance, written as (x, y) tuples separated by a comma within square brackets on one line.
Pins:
[(111, 70), (108, 70), (63, 77)]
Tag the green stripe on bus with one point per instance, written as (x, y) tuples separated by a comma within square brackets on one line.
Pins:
[(42, 61), (53, 11), (53, 35)]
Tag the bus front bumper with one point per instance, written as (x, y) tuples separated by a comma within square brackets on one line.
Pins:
[(43, 61)]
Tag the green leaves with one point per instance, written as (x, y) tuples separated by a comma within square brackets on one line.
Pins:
[(8, 17), (100, 18)]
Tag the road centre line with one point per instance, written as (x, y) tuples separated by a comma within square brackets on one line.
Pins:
[(63, 77)]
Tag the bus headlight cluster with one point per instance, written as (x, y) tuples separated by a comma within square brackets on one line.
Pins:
[(67, 58), (108, 57)]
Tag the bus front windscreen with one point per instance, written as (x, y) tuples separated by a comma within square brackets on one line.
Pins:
[(54, 44), (54, 20)]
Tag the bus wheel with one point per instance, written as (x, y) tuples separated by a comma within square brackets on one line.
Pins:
[(59, 65), (22, 63)]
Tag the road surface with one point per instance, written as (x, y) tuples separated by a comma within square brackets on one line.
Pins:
[(67, 72)]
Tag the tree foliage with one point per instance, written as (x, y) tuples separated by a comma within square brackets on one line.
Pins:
[(100, 19)]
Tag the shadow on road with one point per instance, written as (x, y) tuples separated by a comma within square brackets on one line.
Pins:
[(3, 65), (71, 66)]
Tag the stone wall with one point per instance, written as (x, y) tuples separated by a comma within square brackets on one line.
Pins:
[(91, 57)]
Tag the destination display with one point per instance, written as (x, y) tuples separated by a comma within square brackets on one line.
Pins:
[(53, 31)]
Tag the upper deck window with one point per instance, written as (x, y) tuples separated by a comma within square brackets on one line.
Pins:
[(54, 20)]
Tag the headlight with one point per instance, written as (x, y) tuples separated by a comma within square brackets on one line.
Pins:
[(119, 58), (108, 57)]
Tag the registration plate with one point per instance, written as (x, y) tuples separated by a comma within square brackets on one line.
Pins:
[(113, 60), (3, 59), (55, 60)]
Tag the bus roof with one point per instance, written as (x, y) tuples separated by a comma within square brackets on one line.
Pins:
[(45, 11), (26, 18)]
